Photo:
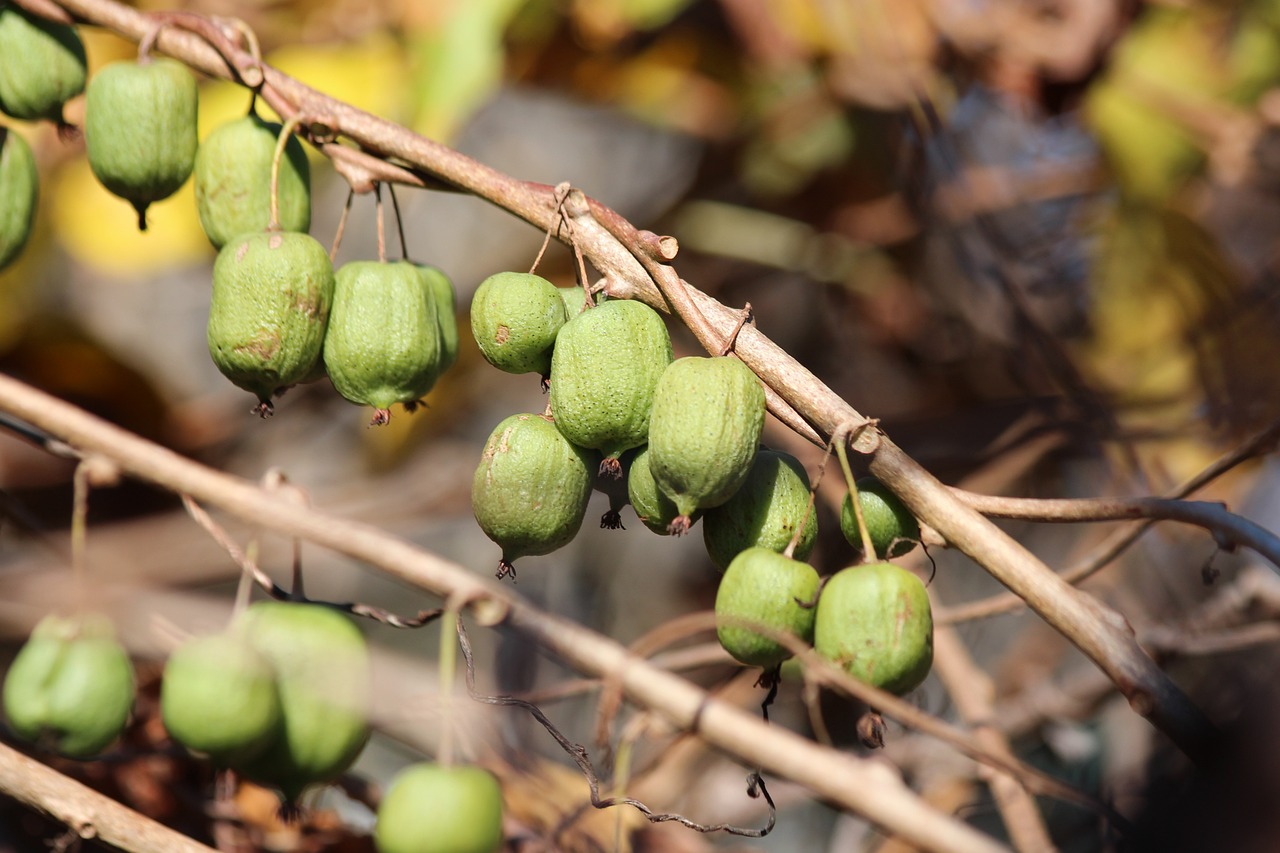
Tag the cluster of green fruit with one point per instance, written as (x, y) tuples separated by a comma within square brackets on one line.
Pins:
[(873, 620), (279, 313)]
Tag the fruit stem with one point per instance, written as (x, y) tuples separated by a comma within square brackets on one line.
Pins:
[(342, 226), (245, 587), (395, 206), (79, 517), (868, 549), (448, 664), (273, 224), (382, 228)]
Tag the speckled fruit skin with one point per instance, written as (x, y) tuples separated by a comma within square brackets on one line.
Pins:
[(704, 430), (894, 530), (762, 586), (140, 129), (383, 343), (430, 808), (515, 317), (19, 191), (531, 488), (604, 371), (875, 621), (766, 511), (218, 697), (652, 507), (42, 65), (233, 181), (446, 300), (71, 686), (272, 294), (322, 675)]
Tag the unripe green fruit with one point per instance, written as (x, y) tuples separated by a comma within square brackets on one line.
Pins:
[(652, 506), (322, 676), (140, 129), (762, 587), (604, 371), (514, 318), (430, 808), (71, 686), (893, 529), (19, 189), (219, 697), (446, 300), (233, 181), (707, 417), (270, 306), (766, 511), (876, 623), (42, 65), (575, 300), (531, 488), (383, 344)]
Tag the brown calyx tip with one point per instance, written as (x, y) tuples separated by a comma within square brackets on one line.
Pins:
[(264, 409), (290, 812), (612, 520), (546, 383), (506, 568), (413, 405), (67, 132), (381, 417), (679, 525), (142, 215), (611, 468), (871, 730)]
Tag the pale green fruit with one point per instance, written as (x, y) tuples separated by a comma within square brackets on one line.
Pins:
[(71, 686), (19, 189), (446, 299), (604, 371), (762, 587), (140, 129), (219, 697), (233, 181), (652, 506), (430, 808), (42, 65), (383, 343), (269, 309), (531, 489), (575, 300), (766, 511), (321, 663), (514, 318), (893, 529), (703, 433), (875, 622)]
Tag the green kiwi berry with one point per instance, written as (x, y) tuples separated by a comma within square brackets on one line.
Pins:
[(704, 431), (42, 65), (531, 489), (431, 808), (19, 189), (764, 588), (875, 621), (515, 317), (604, 371), (894, 530), (140, 129), (766, 511), (233, 181), (652, 506)]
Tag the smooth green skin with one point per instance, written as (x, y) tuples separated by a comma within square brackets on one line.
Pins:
[(766, 511), (575, 300), (652, 507), (514, 318), (446, 300), (219, 697), (140, 129), (604, 371), (894, 530), (42, 65), (19, 192), (762, 587), (876, 623), (383, 344), (233, 181), (272, 294), (531, 489), (322, 676), (707, 417), (430, 808), (70, 687)]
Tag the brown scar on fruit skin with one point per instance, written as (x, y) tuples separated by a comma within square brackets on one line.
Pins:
[(502, 335), (264, 346)]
